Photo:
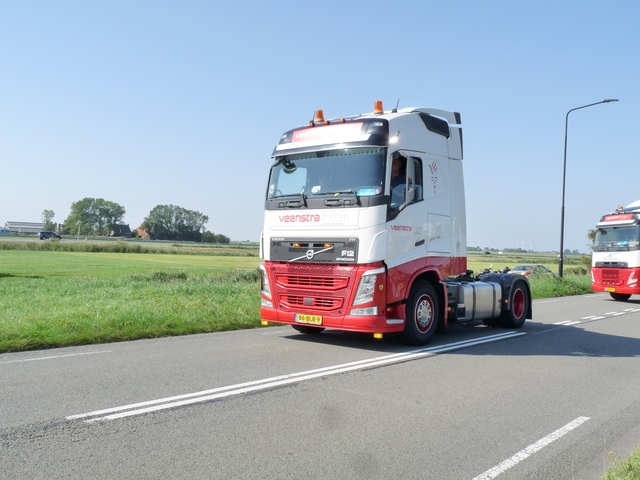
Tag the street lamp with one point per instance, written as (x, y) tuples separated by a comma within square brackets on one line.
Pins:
[(564, 176)]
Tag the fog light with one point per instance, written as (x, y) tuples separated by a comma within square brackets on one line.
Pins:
[(364, 311)]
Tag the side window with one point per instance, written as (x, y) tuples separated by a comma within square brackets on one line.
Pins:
[(406, 181), (398, 180), (417, 171)]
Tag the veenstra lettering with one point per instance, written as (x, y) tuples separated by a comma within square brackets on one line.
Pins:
[(308, 217)]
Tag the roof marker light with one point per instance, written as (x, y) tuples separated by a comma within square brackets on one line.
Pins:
[(377, 107), (319, 116)]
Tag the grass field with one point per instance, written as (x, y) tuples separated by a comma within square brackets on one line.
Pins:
[(56, 264), (52, 298)]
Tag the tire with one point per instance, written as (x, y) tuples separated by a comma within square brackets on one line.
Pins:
[(519, 303), (621, 297), (306, 329), (422, 315)]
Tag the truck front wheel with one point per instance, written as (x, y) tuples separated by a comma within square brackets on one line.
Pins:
[(422, 315), (623, 297), (306, 329)]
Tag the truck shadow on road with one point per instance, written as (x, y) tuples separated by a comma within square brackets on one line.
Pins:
[(535, 339)]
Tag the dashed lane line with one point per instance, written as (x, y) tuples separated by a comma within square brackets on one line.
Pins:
[(54, 357), (531, 449)]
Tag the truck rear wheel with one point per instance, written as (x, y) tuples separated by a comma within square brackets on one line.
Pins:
[(519, 300), (623, 297), (422, 315)]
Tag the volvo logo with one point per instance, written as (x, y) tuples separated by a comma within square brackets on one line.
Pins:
[(309, 254)]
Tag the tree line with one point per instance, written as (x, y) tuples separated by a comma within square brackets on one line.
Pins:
[(97, 216)]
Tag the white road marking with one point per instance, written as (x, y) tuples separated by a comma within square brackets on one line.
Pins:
[(531, 449), (241, 388), (54, 357), (593, 317)]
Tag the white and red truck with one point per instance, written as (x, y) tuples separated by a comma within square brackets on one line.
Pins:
[(615, 263), (365, 230)]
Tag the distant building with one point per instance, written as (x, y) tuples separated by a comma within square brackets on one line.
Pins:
[(119, 230), (24, 227), (141, 232)]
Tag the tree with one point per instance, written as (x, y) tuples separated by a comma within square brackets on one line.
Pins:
[(210, 237), (170, 222), (93, 216), (221, 238), (47, 219)]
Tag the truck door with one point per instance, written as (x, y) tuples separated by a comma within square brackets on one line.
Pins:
[(407, 214)]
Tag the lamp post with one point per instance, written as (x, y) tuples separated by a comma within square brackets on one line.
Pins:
[(564, 176)]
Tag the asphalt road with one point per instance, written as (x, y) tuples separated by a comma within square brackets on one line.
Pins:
[(548, 401)]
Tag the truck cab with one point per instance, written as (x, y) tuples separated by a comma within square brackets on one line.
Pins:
[(365, 224), (615, 264)]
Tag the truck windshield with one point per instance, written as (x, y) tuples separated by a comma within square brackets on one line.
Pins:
[(351, 171), (617, 238)]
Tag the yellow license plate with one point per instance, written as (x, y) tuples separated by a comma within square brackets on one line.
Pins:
[(312, 319), (609, 289)]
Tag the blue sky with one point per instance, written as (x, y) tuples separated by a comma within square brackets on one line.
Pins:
[(148, 103)]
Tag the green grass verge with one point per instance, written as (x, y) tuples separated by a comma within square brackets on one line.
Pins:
[(56, 312), (548, 287), (59, 298), (624, 469)]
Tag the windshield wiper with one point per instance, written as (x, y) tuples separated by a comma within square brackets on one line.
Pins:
[(282, 195), (337, 192), (295, 203)]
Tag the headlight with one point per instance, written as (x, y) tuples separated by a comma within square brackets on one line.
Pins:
[(264, 281), (367, 287)]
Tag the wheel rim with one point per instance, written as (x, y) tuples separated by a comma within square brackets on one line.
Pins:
[(424, 314), (518, 303)]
